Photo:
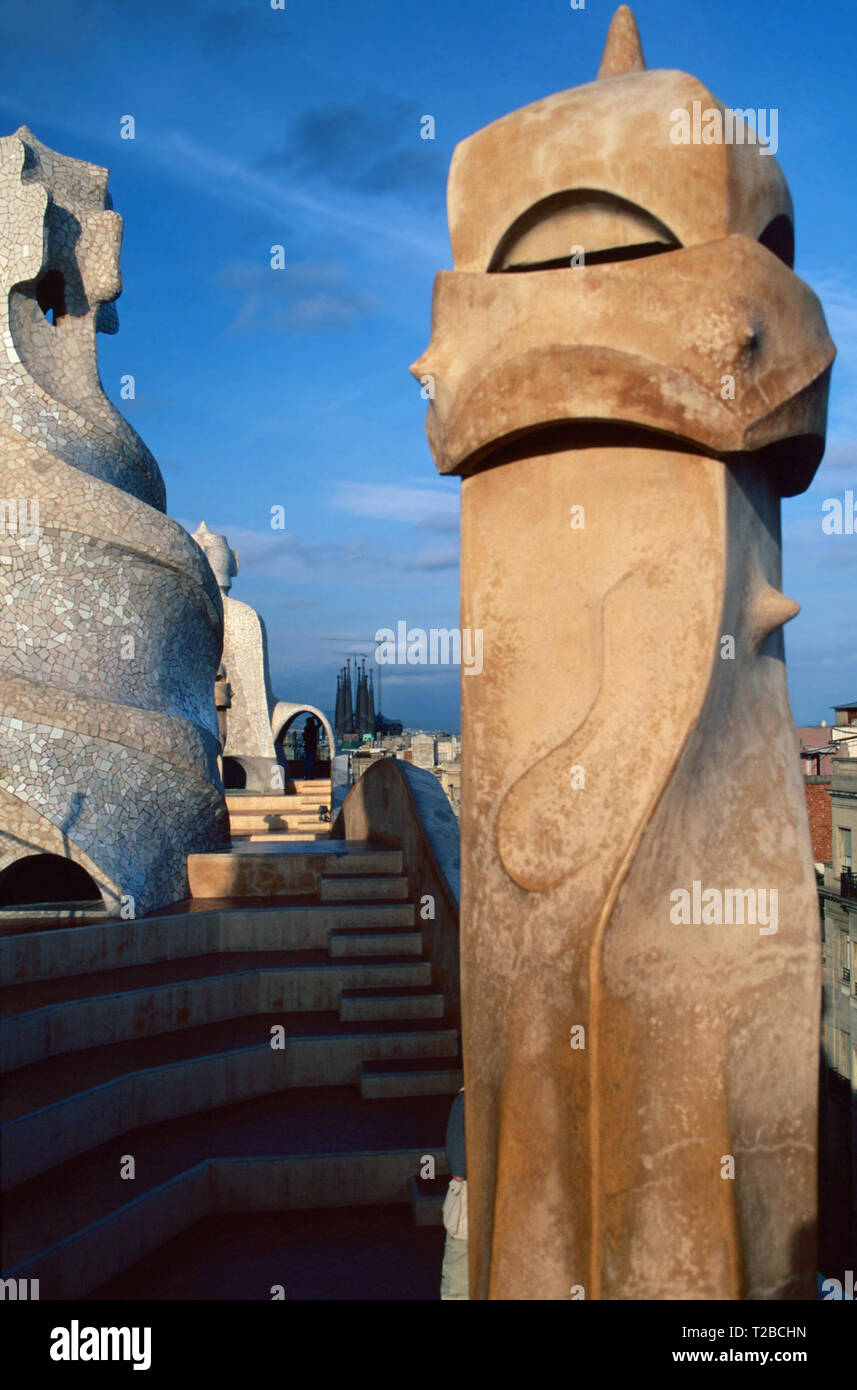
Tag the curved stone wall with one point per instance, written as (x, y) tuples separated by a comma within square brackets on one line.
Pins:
[(397, 804)]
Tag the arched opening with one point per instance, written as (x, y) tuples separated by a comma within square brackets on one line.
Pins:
[(234, 775), (47, 880), (294, 747)]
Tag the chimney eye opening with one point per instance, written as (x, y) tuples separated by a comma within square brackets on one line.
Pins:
[(50, 294), (603, 226)]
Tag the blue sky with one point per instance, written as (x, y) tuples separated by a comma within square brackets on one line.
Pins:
[(300, 127)]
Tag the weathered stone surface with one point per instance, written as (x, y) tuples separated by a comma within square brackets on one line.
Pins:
[(110, 620), (245, 657), (620, 520)]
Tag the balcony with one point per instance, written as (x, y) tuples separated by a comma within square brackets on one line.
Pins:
[(847, 884)]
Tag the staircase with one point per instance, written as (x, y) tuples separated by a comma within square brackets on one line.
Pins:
[(258, 1050), (280, 817)]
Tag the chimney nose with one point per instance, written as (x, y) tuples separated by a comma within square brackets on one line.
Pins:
[(423, 367)]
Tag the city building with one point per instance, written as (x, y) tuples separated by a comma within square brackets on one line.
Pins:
[(817, 755), (448, 748), (448, 773), (845, 727), (838, 1156), (424, 750)]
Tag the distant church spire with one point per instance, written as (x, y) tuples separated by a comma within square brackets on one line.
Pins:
[(363, 724), (347, 702), (370, 707), (338, 721), (358, 702)]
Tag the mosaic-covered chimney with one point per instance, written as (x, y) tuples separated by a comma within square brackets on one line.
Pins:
[(110, 617)]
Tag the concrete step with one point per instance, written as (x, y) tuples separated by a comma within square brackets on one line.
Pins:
[(283, 870), (434, 1076), (16, 920), (80, 1224), (427, 1196), (420, 1001), (245, 802), (374, 941), (371, 888), (161, 998), (54, 1080), (389, 1259), (369, 858), (253, 820), (57, 1109), (250, 822), (38, 957), (282, 837)]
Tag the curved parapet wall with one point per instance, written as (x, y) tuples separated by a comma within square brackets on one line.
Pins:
[(397, 804), (110, 617)]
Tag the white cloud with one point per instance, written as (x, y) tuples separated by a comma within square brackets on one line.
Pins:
[(389, 502)]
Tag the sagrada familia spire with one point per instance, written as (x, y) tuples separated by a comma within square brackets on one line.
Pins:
[(356, 719)]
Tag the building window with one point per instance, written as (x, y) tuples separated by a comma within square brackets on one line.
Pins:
[(843, 835), (843, 1053)]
